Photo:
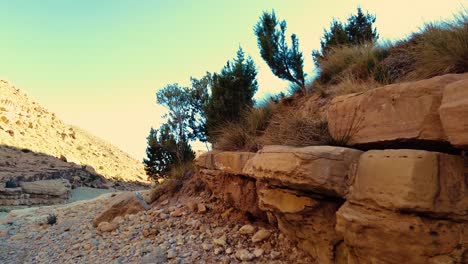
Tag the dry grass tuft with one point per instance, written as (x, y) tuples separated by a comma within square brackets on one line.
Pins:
[(291, 128), (245, 135), (350, 84), (177, 177), (441, 48), (360, 62)]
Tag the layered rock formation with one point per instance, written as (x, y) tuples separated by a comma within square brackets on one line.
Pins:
[(25, 124), (427, 110), (42, 192), (344, 205)]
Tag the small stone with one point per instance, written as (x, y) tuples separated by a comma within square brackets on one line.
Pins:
[(229, 251), (218, 251), (247, 230), (150, 232), (201, 208), (206, 247), (258, 252), (244, 255), (18, 237), (165, 202), (192, 206), (225, 214), (274, 254), (171, 253), (261, 235), (177, 213), (107, 227), (220, 241)]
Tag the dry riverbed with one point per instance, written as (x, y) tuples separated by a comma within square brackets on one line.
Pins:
[(170, 232)]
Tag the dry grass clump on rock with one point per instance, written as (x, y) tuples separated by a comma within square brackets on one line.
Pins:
[(182, 179), (292, 128), (438, 48), (245, 134)]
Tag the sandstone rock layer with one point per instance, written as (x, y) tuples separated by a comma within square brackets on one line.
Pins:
[(375, 236), (454, 113), (396, 112), (412, 180), (320, 169)]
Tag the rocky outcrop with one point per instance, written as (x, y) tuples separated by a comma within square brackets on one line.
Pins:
[(121, 205), (308, 220), (237, 190), (320, 169), (227, 161), (346, 206), (44, 192), (299, 189), (454, 111), (412, 181), (27, 166), (404, 200), (404, 112), (382, 236), (25, 124), (222, 173)]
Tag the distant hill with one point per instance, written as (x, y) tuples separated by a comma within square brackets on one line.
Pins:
[(25, 124)]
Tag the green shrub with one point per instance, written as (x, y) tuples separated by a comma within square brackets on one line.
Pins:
[(51, 219), (25, 150), (11, 184)]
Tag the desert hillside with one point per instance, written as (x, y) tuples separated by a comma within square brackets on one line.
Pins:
[(25, 124)]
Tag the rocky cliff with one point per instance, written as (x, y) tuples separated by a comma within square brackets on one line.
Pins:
[(398, 193), (25, 124)]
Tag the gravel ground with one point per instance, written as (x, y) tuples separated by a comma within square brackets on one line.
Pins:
[(170, 232), (86, 193)]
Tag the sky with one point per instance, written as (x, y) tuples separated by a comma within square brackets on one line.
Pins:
[(98, 64)]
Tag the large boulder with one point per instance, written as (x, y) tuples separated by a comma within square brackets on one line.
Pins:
[(237, 190), (121, 205), (454, 113), (374, 236), (412, 180), (398, 112), (58, 187), (206, 160), (227, 161), (319, 169), (309, 221)]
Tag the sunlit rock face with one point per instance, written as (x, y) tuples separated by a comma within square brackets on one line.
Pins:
[(25, 124)]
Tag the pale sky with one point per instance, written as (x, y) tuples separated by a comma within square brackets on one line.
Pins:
[(98, 64)]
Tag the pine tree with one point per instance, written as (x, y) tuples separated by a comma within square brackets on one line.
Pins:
[(159, 160), (335, 37), (286, 63), (357, 31), (360, 28), (232, 92), (198, 101)]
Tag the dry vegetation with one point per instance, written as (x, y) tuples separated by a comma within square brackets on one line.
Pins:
[(437, 49)]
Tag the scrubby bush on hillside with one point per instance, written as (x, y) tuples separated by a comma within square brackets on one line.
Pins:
[(359, 30), (232, 92), (245, 134), (440, 48), (51, 219), (358, 62), (437, 49), (285, 62), (11, 184)]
